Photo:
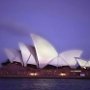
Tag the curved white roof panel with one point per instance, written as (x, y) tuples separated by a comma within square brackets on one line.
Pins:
[(69, 57), (83, 63), (58, 62), (33, 58), (13, 55), (88, 64), (27, 56), (45, 51)]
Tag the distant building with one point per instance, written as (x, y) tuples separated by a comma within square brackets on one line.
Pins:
[(43, 53)]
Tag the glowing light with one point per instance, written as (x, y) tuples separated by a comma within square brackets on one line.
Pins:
[(82, 74), (62, 74), (84, 67), (75, 70), (33, 74)]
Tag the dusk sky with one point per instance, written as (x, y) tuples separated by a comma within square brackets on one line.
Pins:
[(64, 23)]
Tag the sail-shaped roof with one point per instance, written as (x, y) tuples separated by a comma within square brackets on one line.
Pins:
[(83, 63), (58, 62), (27, 56), (88, 64), (45, 51), (33, 59), (69, 57), (13, 55)]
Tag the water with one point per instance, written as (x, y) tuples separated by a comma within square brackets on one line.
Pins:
[(44, 84)]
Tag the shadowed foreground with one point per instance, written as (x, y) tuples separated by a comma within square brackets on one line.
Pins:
[(16, 70)]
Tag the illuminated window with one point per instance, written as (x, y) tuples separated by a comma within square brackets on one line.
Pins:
[(82, 74), (75, 71)]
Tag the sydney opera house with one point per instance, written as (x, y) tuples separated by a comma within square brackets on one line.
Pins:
[(43, 61)]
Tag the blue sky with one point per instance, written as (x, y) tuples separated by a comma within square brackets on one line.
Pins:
[(65, 23)]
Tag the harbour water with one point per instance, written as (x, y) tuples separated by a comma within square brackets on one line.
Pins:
[(44, 84)]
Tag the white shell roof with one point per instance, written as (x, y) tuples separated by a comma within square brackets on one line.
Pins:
[(45, 51), (83, 63), (33, 58), (27, 56), (88, 64), (69, 57), (13, 55), (58, 62)]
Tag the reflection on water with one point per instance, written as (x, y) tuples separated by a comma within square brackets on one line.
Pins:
[(44, 84)]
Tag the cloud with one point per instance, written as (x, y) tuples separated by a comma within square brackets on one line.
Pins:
[(14, 28)]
